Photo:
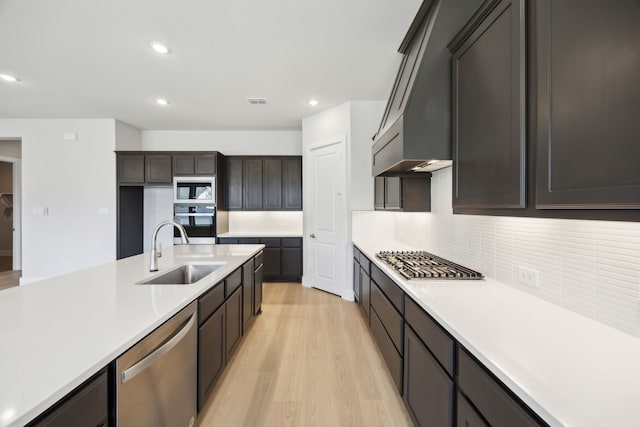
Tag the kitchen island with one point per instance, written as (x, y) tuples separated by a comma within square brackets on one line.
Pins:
[(58, 332), (569, 369)]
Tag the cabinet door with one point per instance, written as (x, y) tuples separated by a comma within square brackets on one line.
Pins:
[(392, 193), (379, 192), (489, 110), (292, 183), (272, 263), (183, 164), (365, 293), (234, 183), (158, 169), (428, 390), (252, 185), (211, 353), (587, 67), (291, 263), (257, 297), (466, 415), (205, 164), (233, 322), (248, 270), (356, 279), (227, 240), (85, 406), (131, 169), (272, 184)]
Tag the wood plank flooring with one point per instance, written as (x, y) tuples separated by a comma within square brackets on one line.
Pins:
[(9, 279), (308, 360)]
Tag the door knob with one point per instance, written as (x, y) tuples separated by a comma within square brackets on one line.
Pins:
[(313, 236)]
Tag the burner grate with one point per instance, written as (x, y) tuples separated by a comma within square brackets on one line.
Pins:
[(424, 265)]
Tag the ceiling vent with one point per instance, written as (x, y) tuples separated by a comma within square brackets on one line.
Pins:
[(257, 101)]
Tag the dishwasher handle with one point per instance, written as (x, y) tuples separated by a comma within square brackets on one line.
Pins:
[(158, 353)]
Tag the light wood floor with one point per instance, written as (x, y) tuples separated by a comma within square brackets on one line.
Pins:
[(9, 279), (308, 360)]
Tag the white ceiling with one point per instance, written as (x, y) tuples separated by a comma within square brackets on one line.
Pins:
[(91, 59)]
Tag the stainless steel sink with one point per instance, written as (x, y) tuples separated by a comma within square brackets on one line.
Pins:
[(184, 274)]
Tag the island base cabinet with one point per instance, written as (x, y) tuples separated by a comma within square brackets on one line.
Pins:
[(248, 272), (233, 318), (85, 406), (211, 355), (428, 390), (257, 301), (466, 415)]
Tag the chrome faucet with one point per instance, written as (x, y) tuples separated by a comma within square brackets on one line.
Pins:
[(153, 265)]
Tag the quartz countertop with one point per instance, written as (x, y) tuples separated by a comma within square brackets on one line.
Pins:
[(261, 234), (58, 332), (571, 370)]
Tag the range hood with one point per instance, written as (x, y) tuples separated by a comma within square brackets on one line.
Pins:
[(415, 132)]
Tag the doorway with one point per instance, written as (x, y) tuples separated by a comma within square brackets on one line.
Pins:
[(326, 216), (6, 216)]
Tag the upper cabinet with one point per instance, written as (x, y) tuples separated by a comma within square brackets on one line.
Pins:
[(488, 87), (264, 183), (194, 164), (588, 115)]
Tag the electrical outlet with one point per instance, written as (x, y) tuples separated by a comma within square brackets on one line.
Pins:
[(527, 276)]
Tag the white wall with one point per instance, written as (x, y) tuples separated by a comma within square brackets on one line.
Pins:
[(128, 137), (590, 267), (357, 121), (75, 180), (10, 148), (285, 222), (229, 143)]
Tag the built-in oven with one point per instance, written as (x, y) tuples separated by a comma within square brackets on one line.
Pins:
[(194, 189), (198, 220)]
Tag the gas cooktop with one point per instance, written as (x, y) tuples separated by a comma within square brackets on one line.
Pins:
[(423, 265)]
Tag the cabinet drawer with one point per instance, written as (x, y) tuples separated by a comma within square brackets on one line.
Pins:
[(490, 396), (291, 242), (441, 345), (390, 289), (390, 318), (232, 282), (209, 302), (356, 253), (258, 259), (271, 243), (248, 240), (387, 349), (227, 240)]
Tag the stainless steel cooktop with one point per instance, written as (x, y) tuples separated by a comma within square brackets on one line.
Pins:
[(423, 265)]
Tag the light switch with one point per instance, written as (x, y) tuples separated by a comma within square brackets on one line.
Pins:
[(44, 211)]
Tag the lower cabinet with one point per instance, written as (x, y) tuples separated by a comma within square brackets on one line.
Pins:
[(211, 354), (257, 296), (248, 273), (233, 320), (466, 415), (282, 256), (428, 390), (87, 405)]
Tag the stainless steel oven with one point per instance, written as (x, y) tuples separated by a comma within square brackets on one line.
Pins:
[(198, 220), (194, 189)]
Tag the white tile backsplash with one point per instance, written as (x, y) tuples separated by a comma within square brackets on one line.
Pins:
[(266, 221), (589, 267)]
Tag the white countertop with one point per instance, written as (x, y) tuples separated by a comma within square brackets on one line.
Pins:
[(571, 370), (260, 234), (57, 333)]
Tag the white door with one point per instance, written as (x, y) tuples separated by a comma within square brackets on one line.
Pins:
[(327, 216)]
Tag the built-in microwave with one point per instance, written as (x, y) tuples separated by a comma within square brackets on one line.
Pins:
[(194, 189)]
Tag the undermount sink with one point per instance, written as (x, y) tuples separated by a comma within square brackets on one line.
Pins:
[(184, 274)]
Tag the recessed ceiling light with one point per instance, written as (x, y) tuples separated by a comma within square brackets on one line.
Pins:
[(162, 101), (9, 78), (160, 47), (313, 102)]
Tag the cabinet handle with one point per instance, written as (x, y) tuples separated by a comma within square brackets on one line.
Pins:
[(313, 236), (158, 353)]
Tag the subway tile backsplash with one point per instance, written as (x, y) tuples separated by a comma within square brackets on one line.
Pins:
[(589, 267)]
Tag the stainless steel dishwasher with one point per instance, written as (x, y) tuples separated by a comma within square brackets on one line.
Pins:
[(157, 377)]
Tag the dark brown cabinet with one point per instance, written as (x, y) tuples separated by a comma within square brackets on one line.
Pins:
[(587, 104), (233, 320), (248, 273), (87, 405), (131, 169), (488, 87), (283, 258), (264, 183), (252, 189), (194, 164), (490, 397), (211, 353), (466, 415), (407, 194), (258, 279), (158, 169), (428, 390)]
